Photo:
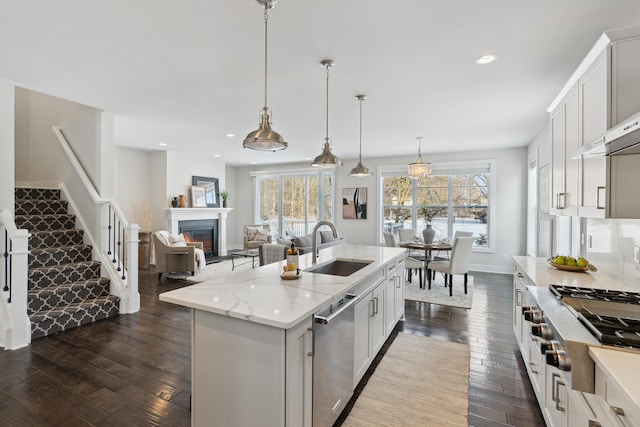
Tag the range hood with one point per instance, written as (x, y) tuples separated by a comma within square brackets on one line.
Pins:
[(620, 140)]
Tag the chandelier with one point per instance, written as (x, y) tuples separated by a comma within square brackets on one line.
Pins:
[(419, 169)]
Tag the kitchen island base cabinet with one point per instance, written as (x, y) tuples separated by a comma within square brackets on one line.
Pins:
[(369, 328), (235, 362)]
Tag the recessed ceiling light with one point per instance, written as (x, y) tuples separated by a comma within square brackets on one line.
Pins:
[(216, 155), (486, 59), (230, 135), (253, 163), (162, 144)]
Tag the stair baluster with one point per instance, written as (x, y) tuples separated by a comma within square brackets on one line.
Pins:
[(123, 258), (109, 232), (6, 262)]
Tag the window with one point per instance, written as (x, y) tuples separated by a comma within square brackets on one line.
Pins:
[(293, 202), (455, 197)]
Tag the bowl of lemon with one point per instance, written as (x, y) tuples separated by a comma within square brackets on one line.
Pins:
[(569, 263)]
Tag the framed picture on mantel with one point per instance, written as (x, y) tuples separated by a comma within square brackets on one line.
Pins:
[(354, 203), (211, 190)]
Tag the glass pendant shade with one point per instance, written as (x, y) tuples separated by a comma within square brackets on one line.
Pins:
[(264, 138), (360, 170), (419, 169), (326, 159)]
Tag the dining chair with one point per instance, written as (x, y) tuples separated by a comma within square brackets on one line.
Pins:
[(410, 263), (456, 234), (409, 235), (458, 264)]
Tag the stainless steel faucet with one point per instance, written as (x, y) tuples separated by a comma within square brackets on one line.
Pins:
[(314, 237)]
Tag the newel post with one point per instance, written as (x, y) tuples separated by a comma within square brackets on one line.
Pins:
[(131, 244), (21, 333)]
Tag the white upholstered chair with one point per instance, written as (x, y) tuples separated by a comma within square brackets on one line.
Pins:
[(458, 264), (255, 235), (410, 263), (173, 254)]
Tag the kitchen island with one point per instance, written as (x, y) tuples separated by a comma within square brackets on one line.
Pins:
[(252, 334)]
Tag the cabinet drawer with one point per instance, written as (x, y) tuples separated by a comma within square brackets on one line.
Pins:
[(617, 403)]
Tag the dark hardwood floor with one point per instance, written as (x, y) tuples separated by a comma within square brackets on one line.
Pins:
[(135, 369)]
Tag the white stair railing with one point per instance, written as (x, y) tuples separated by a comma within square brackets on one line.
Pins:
[(114, 239), (15, 327)]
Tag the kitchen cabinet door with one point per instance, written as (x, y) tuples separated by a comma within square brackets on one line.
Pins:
[(394, 298), (399, 289), (594, 107), (299, 375), (565, 125), (378, 329), (555, 397), (362, 339), (625, 79)]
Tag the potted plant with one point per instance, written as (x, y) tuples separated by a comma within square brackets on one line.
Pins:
[(225, 196)]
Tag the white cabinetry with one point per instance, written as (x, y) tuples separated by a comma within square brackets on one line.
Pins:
[(394, 298), (369, 328), (555, 397), (564, 141), (593, 123), (602, 93), (299, 374)]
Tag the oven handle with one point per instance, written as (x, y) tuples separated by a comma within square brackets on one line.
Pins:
[(324, 320)]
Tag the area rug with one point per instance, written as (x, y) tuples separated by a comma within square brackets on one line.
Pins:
[(439, 294), (420, 381), (214, 270)]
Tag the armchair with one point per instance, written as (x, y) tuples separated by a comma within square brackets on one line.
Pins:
[(173, 254), (255, 235)]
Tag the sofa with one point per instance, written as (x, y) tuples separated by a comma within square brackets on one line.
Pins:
[(325, 239)]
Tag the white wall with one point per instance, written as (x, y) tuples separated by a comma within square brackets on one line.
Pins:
[(7, 136), (40, 154), (133, 182), (510, 205), (181, 166)]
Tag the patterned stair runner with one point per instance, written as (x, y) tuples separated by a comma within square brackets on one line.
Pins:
[(65, 287)]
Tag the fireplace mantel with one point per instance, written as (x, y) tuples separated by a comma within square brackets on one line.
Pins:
[(174, 215)]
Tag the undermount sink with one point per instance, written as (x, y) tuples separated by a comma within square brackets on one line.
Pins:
[(340, 267)]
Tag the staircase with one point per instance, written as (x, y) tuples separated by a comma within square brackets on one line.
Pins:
[(65, 289)]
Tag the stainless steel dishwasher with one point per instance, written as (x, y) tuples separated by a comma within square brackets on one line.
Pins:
[(333, 359)]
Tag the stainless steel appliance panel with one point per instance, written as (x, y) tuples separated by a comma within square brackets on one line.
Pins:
[(333, 360)]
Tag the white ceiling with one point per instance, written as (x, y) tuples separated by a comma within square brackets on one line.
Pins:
[(187, 72)]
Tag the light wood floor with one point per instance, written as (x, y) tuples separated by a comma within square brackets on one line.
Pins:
[(135, 369)]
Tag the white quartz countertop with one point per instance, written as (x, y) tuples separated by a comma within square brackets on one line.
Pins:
[(544, 274), (623, 367), (260, 295)]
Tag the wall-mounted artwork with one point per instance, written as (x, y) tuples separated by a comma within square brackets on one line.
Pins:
[(211, 190), (354, 203)]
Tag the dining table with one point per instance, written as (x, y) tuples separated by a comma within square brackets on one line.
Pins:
[(428, 249)]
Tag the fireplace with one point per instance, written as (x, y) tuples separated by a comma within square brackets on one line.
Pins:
[(201, 230), (176, 217)]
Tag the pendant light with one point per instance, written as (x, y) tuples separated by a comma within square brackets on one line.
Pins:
[(360, 169), (419, 169), (327, 159), (265, 138)]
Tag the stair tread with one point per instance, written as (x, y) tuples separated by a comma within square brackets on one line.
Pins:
[(66, 286), (63, 266), (69, 308), (59, 248)]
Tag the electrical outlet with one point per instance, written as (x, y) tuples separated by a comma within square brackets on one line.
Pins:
[(636, 254)]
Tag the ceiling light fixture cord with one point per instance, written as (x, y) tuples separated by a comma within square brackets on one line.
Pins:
[(361, 98), (327, 109), (266, 19)]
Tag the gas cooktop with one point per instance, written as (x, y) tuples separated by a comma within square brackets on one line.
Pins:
[(613, 317)]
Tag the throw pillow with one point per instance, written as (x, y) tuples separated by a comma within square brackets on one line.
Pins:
[(283, 241), (327, 236), (251, 233), (261, 237), (303, 241), (178, 240)]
